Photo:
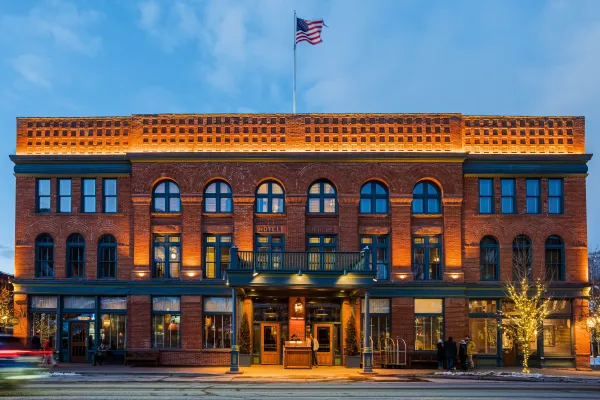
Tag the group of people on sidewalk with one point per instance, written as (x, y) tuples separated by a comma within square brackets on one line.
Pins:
[(448, 352)]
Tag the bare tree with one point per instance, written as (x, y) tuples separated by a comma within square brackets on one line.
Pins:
[(531, 306), (593, 321)]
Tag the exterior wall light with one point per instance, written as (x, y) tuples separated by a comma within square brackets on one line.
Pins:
[(299, 308)]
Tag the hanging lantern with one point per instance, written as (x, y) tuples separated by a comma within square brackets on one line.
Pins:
[(270, 313), (299, 308), (106, 321), (321, 312), (173, 326)]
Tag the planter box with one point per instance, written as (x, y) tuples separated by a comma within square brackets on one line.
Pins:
[(353, 361), (245, 360)]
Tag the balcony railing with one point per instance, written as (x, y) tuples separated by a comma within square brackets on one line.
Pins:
[(259, 261)]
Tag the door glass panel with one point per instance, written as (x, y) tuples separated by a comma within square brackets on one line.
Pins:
[(324, 339), (270, 339)]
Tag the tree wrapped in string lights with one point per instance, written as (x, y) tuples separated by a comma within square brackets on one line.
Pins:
[(531, 306)]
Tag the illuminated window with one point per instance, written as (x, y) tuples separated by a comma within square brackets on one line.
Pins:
[(429, 323), (427, 257), (166, 321), (166, 198), (374, 198), (380, 253), (217, 322), (216, 255), (217, 198), (270, 198), (426, 198), (167, 256), (322, 198)]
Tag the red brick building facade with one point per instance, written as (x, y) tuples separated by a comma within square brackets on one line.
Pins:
[(136, 230)]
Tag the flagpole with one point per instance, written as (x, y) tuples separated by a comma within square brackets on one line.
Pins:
[(295, 28)]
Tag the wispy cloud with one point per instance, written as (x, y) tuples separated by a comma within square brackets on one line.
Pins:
[(32, 69)]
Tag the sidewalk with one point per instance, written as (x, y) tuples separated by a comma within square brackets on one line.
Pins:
[(278, 374)]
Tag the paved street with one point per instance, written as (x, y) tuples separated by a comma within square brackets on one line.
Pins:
[(139, 387)]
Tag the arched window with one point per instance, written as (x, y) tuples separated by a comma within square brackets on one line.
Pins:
[(522, 257), (555, 258), (107, 257), (374, 198), (75, 256), (44, 256), (426, 198), (270, 198), (217, 198), (322, 198), (166, 198), (489, 258)]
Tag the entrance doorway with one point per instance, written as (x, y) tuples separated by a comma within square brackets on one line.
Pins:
[(78, 334), (269, 335), (324, 337)]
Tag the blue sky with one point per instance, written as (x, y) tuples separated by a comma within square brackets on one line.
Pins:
[(81, 58)]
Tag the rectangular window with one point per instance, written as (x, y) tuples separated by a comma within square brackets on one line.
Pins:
[(482, 306), (509, 196), (268, 251), (318, 246), (44, 302), (557, 338), (217, 322), (533, 204), (167, 256), (380, 321), (64, 195), (429, 323), (427, 257), (555, 196), (109, 196), (113, 330), (216, 255), (88, 195), (79, 302), (113, 303), (486, 196), (166, 319), (380, 253), (43, 196), (45, 324), (484, 333)]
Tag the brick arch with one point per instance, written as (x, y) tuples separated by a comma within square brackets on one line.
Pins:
[(314, 172), (236, 176), (281, 174), (161, 179), (270, 179), (145, 176), (373, 179), (438, 174)]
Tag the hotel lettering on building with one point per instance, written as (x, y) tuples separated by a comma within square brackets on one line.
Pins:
[(148, 231)]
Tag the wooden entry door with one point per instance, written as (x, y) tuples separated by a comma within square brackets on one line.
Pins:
[(509, 352), (323, 333), (269, 339), (78, 333)]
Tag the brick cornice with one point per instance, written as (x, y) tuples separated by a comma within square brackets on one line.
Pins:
[(141, 199)]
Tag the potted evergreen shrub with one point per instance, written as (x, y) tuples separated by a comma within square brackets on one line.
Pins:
[(244, 342), (352, 349)]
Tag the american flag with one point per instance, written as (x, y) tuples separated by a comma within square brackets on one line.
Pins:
[(309, 31)]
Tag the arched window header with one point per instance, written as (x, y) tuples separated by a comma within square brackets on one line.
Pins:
[(322, 198)]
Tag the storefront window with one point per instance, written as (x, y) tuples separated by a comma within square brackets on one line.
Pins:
[(217, 322), (41, 302), (379, 320), (484, 332), (557, 337), (44, 323), (112, 331), (482, 306), (429, 323), (322, 311), (166, 320), (79, 302)]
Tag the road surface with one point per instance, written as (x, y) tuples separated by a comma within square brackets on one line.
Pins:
[(185, 388)]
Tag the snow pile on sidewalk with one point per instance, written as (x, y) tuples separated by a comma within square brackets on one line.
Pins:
[(490, 373), (59, 373)]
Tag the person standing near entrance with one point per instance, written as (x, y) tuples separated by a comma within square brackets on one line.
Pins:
[(450, 350), (314, 346), (471, 348)]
